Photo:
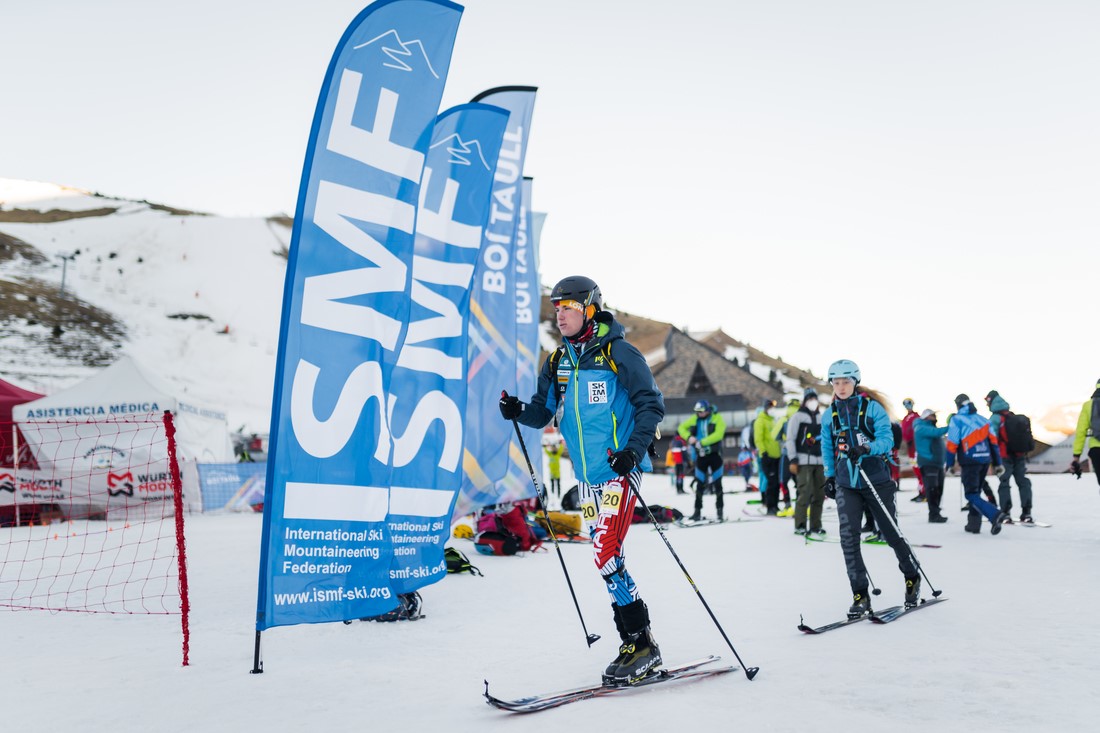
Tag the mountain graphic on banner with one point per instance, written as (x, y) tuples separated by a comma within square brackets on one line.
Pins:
[(462, 152), (403, 55)]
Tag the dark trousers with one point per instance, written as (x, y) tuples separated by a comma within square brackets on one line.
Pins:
[(973, 474), (933, 488), (1094, 459), (850, 504), (710, 468), (1015, 468), (770, 468), (810, 482)]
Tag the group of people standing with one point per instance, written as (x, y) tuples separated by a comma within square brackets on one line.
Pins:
[(613, 407)]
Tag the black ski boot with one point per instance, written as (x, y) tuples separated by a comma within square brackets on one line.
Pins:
[(639, 653), (1025, 516), (937, 518), (861, 605), (998, 521), (912, 591)]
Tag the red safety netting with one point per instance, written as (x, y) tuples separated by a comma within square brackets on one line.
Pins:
[(95, 524)]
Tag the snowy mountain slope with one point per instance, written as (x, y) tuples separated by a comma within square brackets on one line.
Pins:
[(198, 297)]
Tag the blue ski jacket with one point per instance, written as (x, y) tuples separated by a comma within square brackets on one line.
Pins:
[(969, 438), (607, 403), (928, 441), (841, 422)]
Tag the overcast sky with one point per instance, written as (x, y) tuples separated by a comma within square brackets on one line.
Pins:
[(910, 185)]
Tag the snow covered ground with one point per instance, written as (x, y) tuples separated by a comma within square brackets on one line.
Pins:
[(1015, 648)]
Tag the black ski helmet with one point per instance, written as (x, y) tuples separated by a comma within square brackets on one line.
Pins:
[(582, 289)]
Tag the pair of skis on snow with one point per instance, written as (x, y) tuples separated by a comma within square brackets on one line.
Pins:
[(884, 616), (535, 703), (690, 671)]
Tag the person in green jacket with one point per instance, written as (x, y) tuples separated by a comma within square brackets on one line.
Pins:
[(1088, 429), (704, 432), (554, 451), (779, 431), (763, 434)]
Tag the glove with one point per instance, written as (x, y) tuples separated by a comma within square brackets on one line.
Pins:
[(857, 451), (622, 462), (510, 407), (1075, 467), (999, 469), (830, 487)]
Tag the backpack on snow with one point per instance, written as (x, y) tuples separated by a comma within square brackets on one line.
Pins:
[(571, 500), (662, 514), (458, 563), (505, 533), (565, 523), (1017, 433)]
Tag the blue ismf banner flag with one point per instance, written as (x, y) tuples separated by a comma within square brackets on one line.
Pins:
[(428, 392), (493, 355), (325, 554), (528, 302)]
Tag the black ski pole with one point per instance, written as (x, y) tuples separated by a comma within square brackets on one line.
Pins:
[(874, 591), (590, 638), (750, 672), (890, 519)]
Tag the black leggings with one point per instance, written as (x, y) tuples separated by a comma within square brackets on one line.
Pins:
[(1094, 459)]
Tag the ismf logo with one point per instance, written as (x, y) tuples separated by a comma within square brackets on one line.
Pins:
[(120, 483), (7, 482)]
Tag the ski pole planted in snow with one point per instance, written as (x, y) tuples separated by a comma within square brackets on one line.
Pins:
[(890, 518), (590, 638), (750, 672)]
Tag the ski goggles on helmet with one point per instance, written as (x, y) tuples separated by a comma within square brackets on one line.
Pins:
[(573, 304)]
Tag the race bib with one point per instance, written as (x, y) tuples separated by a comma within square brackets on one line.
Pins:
[(612, 500), (588, 511)]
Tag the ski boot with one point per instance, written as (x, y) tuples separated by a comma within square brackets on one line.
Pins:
[(720, 517), (912, 591), (861, 605), (1025, 516), (936, 518), (998, 521), (639, 654)]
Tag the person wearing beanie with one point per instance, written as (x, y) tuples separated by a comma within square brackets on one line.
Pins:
[(975, 447), (1087, 436), (910, 448), (763, 434), (803, 446), (929, 446), (1001, 423)]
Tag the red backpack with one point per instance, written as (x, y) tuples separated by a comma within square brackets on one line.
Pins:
[(505, 533)]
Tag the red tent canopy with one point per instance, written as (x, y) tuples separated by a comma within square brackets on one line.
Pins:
[(10, 396)]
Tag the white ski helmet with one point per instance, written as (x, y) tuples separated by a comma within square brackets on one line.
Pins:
[(844, 368)]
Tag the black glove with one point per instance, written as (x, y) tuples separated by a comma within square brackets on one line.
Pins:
[(622, 462), (830, 487), (856, 451), (1075, 467), (510, 407)]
